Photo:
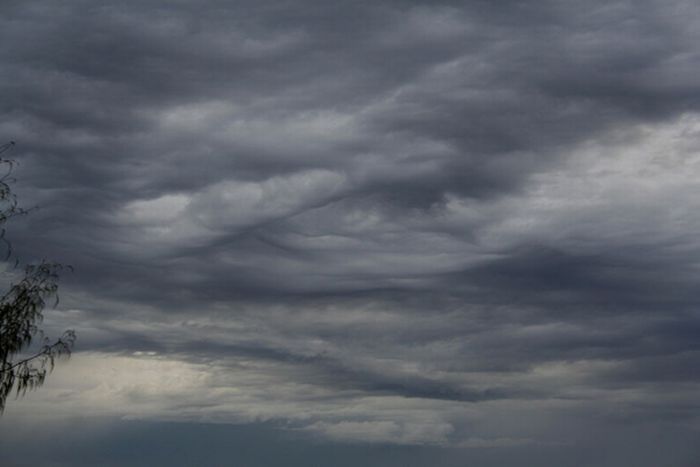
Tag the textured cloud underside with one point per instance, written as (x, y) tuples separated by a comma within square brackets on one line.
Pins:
[(458, 224)]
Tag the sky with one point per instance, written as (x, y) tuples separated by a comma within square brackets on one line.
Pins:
[(377, 233)]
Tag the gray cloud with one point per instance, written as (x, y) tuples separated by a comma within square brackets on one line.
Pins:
[(395, 221)]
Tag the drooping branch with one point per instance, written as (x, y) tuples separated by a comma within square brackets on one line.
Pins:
[(21, 310), (62, 346)]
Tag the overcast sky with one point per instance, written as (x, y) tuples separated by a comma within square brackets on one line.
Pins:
[(364, 233)]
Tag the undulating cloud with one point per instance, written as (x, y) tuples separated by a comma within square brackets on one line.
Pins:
[(466, 226)]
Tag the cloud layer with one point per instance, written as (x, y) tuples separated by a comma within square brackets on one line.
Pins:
[(455, 224)]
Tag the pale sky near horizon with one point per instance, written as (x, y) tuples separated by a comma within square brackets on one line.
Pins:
[(372, 233)]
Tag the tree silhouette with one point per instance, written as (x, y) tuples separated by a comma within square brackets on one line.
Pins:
[(24, 366)]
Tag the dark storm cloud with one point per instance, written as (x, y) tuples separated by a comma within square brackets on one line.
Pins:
[(472, 203)]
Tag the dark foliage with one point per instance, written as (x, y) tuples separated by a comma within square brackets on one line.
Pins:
[(24, 364)]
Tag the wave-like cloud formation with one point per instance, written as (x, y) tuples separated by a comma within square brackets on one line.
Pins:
[(467, 224)]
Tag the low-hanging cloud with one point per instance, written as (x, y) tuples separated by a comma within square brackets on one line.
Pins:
[(465, 224)]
